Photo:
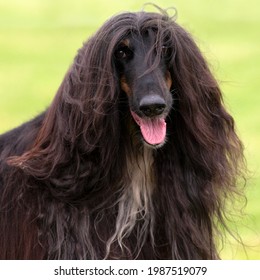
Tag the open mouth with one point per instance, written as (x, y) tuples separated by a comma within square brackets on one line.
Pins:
[(153, 129)]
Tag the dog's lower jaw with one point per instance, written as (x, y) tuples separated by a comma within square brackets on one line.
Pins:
[(153, 130), (137, 139), (156, 146)]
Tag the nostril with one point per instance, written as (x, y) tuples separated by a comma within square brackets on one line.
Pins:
[(153, 110), (159, 108), (152, 105), (146, 110)]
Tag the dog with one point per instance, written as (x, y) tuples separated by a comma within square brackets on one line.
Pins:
[(134, 158)]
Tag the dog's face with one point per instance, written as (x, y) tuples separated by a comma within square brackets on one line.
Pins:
[(146, 80)]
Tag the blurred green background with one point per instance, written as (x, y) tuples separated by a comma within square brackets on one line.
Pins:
[(39, 39)]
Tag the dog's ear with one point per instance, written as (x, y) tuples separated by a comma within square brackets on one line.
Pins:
[(202, 123), (85, 102), (197, 91)]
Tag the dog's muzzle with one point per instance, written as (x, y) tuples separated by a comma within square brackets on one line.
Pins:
[(151, 119)]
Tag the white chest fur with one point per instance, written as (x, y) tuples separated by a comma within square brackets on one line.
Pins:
[(135, 208)]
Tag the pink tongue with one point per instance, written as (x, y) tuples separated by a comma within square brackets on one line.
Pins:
[(153, 130)]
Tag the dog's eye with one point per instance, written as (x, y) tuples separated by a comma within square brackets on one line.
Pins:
[(123, 53), (164, 50), (120, 54)]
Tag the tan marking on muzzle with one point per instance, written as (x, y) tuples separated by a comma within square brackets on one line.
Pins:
[(124, 86), (168, 79)]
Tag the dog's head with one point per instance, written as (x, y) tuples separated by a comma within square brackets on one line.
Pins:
[(150, 60), (142, 63)]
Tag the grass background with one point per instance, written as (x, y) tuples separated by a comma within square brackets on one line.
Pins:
[(39, 39)]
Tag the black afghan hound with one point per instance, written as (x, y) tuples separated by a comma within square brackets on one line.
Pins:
[(134, 158)]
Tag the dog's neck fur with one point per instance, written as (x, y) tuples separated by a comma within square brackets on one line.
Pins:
[(135, 207)]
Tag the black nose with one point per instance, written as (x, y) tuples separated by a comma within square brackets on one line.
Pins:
[(152, 105)]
